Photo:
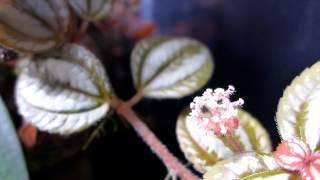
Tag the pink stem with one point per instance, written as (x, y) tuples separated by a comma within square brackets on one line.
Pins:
[(82, 32), (84, 27), (154, 143), (236, 146), (131, 102)]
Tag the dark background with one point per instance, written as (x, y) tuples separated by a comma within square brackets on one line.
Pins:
[(259, 47)]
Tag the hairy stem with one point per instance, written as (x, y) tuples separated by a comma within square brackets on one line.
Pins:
[(84, 27), (170, 161), (131, 102), (82, 32), (234, 143)]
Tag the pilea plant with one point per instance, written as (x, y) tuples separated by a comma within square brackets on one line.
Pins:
[(224, 144), (63, 88)]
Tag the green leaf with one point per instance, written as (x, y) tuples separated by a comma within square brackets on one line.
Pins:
[(204, 149), (271, 175), (92, 10), (12, 164), (246, 166), (33, 26), (170, 67), (298, 110), (65, 93)]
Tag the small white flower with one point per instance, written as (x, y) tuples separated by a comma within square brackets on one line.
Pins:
[(215, 112)]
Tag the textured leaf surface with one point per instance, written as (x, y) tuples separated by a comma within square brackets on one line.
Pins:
[(298, 109), (92, 10), (205, 149), (63, 94), (12, 164), (246, 166), (170, 67), (33, 25)]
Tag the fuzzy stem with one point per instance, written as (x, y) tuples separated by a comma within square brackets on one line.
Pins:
[(131, 102), (153, 142), (234, 143), (82, 32), (84, 27)]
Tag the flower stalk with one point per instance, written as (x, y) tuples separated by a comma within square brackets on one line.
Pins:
[(234, 143)]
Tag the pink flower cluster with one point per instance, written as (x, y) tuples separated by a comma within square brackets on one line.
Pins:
[(215, 112), (295, 155)]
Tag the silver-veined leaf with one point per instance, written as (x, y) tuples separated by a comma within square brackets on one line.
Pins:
[(170, 67), (33, 26), (92, 10), (12, 164), (65, 93), (204, 149), (298, 109), (247, 166)]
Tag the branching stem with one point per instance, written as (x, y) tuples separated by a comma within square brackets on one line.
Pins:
[(170, 161)]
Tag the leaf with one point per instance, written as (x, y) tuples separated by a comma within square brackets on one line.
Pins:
[(246, 166), (298, 109), (65, 93), (258, 136), (92, 10), (170, 67), (12, 164), (33, 26), (204, 149)]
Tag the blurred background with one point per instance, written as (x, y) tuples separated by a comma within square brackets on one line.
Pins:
[(259, 47)]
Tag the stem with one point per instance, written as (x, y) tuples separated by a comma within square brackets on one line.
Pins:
[(84, 27), (234, 143), (82, 31), (94, 135), (131, 102), (153, 142)]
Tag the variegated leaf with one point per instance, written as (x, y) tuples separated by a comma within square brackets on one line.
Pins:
[(12, 164), (92, 10), (204, 149), (33, 25), (65, 93), (170, 67), (298, 110), (247, 166)]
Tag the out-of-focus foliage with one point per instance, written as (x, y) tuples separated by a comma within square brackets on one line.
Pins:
[(12, 164), (92, 10), (205, 149), (298, 109), (7, 55), (170, 67), (34, 26), (63, 93)]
